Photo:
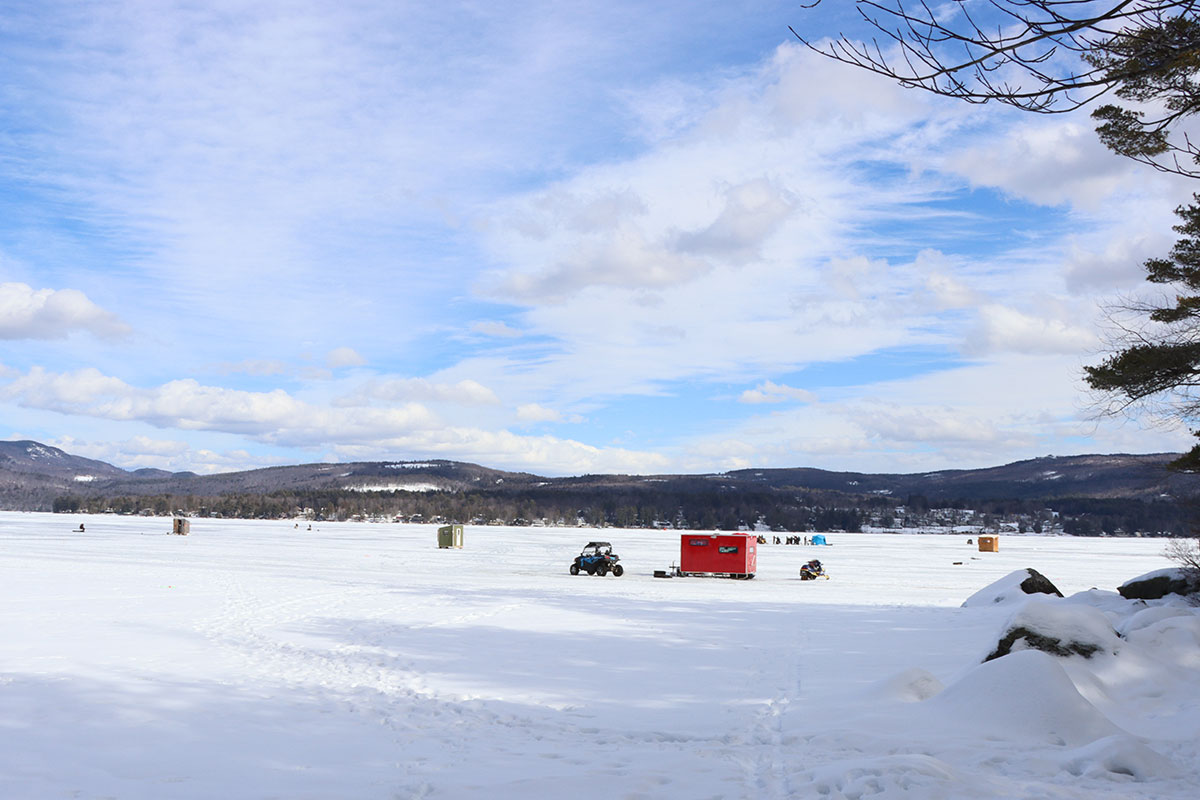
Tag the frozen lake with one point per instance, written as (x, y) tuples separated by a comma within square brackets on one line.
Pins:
[(255, 659)]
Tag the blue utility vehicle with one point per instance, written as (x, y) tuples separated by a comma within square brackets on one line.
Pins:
[(597, 558)]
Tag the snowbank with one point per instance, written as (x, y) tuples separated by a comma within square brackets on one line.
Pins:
[(1026, 696)]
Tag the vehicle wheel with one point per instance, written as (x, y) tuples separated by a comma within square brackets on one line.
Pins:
[(574, 569), (602, 569), (618, 570)]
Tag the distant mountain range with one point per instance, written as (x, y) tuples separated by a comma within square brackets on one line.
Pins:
[(33, 475)]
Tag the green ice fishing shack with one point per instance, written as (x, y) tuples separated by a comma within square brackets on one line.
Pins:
[(450, 536)]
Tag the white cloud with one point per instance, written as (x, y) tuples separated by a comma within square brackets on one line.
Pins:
[(949, 292), (748, 181), (261, 367), (1048, 161), (769, 392), (741, 247), (141, 452), (344, 357), (752, 211), (532, 412), (389, 390), (277, 418), (144, 445), (926, 424), (26, 313), (1010, 407), (271, 417), (580, 213), (1118, 262), (133, 453), (721, 454), (1002, 329), (624, 257), (857, 277)]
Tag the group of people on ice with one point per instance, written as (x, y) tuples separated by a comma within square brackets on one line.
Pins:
[(789, 540)]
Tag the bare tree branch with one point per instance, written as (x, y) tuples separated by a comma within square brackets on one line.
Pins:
[(957, 58)]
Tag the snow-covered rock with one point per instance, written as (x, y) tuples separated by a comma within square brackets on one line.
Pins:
[(1013, 587), (1058, 629), (1159, 583)]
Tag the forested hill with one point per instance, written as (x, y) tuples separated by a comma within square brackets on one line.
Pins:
[(1111, 476), (1120, 491)]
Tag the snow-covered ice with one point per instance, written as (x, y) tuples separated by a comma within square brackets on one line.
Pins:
[(356, 660)]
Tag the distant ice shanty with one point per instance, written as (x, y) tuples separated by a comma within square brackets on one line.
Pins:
[(181, 526), (819, 539), (989, 544), (732, 555), (450, 536)]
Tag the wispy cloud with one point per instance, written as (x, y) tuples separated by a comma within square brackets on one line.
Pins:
[(497, 329), (771, 392)]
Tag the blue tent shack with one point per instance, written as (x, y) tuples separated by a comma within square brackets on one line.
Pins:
[(819, 539)]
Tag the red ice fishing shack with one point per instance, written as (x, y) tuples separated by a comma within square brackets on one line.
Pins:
[(727, 555)]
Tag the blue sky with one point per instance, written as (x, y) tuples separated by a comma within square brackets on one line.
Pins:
[(562, 238)]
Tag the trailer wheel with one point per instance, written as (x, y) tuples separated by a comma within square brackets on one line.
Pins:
[(574, 569), (618, 570)]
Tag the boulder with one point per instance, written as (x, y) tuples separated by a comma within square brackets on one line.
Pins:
[(1012, 588), (1037, 583), (1022, 638), (1060, 630), (1160, 583)]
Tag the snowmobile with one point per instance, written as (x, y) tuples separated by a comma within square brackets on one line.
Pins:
[(597, 558), (813, 570)]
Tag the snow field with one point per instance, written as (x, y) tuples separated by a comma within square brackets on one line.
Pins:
[(254, 659)]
